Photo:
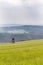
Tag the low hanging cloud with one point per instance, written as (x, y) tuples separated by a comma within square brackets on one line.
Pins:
[(28, 12)]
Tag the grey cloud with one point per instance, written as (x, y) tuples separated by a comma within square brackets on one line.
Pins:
[(20, 14)]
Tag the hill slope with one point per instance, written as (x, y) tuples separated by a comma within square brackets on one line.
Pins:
[(22, 53)]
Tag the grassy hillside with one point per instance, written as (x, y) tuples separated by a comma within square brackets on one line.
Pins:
[(22, 53)]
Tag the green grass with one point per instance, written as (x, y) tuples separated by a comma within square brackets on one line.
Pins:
[(22, 53)]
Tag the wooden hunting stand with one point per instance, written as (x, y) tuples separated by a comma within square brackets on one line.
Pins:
[(13, 40)]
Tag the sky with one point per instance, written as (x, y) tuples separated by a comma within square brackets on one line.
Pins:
[(24, 12)]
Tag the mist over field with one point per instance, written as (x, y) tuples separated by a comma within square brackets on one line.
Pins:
[(20, 33)]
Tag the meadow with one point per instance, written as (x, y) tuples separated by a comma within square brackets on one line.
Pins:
[(22, 53)]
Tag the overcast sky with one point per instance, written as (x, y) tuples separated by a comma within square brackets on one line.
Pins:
[(28, 12)]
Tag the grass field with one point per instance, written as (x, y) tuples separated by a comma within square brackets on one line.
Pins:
[(22, 53)]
